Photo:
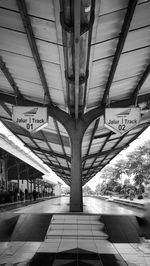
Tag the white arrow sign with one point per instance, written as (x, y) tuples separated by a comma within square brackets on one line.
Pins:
[(121, 120), (30, 117)]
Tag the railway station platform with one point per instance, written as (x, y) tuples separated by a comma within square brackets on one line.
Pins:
[(30, 236)]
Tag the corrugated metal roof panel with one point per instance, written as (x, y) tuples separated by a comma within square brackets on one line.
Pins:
[(132, 64), (108, 6), (109, 25), (21, 67), (5, 86), (100, 72)]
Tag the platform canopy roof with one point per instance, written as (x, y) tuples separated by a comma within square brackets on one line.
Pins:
[(17, 167), (75, 56)]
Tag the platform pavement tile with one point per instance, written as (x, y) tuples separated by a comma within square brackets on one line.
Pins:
[(86, 243), (48, 247), (103, 242), (70, 222), (84, 227), (52, 240), (57, 216), (17, 258), (69, 241), (67, 246), (9, 248), (83, 244), (83, 217), (125, 248), (147, 259), (55, 227), (71, 217), (99, 234), (23, 256), (70, 226), (106, 250), (145, 248), (54, 232), (70, 233), (88, 248), (29, 247), (95, 217), (97, 227), (96, 223), (86, 233), (139, 260), (3, 246), (55, 221)]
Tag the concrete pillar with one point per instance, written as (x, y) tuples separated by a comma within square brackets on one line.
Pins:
[(38, 187), (76, 201), (76, 130), (28, 185), (6, 173), (31, 186), (18, 177)]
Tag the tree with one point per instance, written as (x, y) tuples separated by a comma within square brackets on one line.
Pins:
[(87, 191), (135, 165), (139, 165), (65, 190), (101, 188), (98, 189)]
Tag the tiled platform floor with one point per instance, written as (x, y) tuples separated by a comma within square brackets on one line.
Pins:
[(75, 240)]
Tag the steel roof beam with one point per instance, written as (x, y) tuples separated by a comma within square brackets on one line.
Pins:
[(119, 140), (31, 39), (103, 135), (60, 139), (52, 165), (59, 136), (92, 137), (94, 168), (99, 154), (7, 110), (10, 79), (123, 103), (100, 151), (52, 153), (39, 148), (125, 28), (140, 84), (60, 172), (61, 167), (26, 133), (77, 21)]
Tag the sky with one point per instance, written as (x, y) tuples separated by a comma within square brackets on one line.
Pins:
[(141, 139)]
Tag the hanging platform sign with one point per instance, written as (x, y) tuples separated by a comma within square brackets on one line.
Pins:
[(121, 120), (31, 118)]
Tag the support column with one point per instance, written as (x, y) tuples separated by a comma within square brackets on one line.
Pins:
[(18, 177), (76, 202), (6, 173), (31, 186), (76, 129), (28, 184)]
